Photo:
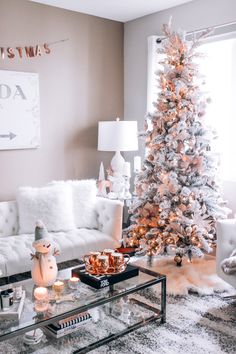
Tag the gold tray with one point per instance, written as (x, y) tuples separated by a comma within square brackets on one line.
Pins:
[(110, 271)]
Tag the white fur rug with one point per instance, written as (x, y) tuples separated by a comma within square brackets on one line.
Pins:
[(199, 276)]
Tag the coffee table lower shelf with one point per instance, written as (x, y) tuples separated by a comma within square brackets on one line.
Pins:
[(95, 298), (158, 315)]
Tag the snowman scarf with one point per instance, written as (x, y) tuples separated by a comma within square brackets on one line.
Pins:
[(41, 259)]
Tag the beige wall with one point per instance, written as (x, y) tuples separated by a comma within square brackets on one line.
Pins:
[(81, 82)]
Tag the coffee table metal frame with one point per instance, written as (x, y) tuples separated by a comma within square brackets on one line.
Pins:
[(158, 314)]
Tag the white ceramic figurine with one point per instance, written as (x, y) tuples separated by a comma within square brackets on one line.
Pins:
[(44, 270)]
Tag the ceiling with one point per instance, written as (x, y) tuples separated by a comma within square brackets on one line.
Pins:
[(118, 10)]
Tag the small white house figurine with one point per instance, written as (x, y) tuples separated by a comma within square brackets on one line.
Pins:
[(44, 269)]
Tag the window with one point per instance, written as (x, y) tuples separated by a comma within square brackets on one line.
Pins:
[(219, 67)]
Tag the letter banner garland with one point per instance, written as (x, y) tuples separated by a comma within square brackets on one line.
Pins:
[(30, 51)]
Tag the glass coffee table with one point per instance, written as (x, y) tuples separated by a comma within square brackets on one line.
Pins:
[(123, 296)]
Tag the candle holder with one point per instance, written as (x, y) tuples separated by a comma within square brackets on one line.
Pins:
[(73, 283), (58, 287), (33, 337), (41, 306), (126, 176), (127, 194), (41, 300)]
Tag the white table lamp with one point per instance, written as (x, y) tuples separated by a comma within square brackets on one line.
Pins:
[(117, 136)]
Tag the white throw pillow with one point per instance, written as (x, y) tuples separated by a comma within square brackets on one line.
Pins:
[(84, 198), (52, 204)]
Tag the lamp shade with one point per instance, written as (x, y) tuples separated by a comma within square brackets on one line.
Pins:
[(117, 136)]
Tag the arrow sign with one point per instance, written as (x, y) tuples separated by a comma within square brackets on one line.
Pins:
[(9, 136)]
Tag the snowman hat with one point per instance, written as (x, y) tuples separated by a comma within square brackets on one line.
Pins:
[(40, 232)]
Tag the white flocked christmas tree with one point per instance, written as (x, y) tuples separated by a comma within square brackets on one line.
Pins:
[(177, 194)]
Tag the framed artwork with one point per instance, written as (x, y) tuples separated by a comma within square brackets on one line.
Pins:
[(19, 110)]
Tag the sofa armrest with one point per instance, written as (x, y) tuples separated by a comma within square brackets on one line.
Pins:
[(110, 214), (226, 243)]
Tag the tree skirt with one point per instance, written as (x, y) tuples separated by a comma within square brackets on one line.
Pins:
[(199, 276)]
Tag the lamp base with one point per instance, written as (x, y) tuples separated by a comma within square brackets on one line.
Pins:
[(117, 163), (116, 178)]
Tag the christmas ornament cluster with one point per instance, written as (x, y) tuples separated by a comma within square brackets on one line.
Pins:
[(178, 198)]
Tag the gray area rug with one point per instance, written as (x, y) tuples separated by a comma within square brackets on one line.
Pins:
[(195, 324)]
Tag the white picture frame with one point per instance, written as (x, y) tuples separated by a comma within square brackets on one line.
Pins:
[(19, 110)]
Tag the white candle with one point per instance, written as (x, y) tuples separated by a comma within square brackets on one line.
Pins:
[(58, 286), (137, 163), (126, 169), (41, 293), (73, 283)]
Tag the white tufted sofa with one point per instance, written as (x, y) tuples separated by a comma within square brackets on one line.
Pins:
[(15, 249), (226, 243)]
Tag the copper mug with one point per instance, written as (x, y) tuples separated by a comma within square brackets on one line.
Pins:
[(108, 252), (119, 261), (102, 264), (91, 259)]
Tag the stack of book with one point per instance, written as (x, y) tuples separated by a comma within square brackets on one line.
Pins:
[(68, 325)]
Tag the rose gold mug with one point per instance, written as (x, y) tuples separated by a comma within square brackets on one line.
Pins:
[(108, 252), (91, 258), (119, 260), (102, 264)]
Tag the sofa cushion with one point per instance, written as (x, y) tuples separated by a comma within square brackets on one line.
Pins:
[(8, 218), (15, 250), (51, 204), (84, 199)]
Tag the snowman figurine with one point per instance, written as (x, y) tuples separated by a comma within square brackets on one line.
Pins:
[(44, 269)]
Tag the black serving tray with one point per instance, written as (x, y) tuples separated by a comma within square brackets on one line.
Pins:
[(102, 281)]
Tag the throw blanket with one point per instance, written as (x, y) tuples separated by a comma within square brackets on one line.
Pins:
[(228, 265)]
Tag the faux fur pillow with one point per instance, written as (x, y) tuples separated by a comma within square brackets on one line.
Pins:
[(84, 198), (53, 205)]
